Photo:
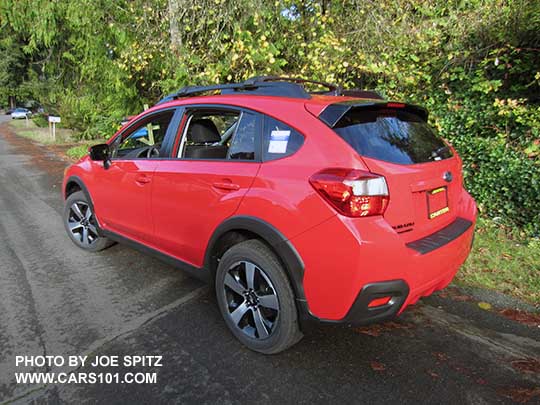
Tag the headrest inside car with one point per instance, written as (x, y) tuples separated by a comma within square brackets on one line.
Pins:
[(203, 131)]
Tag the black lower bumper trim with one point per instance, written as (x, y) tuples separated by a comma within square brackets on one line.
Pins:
[(442, 237), (361, 314)]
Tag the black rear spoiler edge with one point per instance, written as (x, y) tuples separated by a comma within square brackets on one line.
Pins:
[(334, 112)]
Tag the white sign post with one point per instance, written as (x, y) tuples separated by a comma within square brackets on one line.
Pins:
[(52, 126)]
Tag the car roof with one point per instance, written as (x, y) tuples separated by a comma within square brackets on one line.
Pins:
[(278, 97), (314, 105)]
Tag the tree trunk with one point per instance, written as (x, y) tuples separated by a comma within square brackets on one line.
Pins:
[(176, 40)]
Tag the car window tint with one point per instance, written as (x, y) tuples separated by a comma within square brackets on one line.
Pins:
[(279, 140), (243, 142)]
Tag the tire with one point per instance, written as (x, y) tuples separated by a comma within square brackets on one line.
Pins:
[(260, 313), (80, 224)]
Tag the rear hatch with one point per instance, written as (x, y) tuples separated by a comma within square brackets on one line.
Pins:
[(423, 175)]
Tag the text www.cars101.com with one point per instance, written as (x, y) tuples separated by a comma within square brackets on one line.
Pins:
[(86, 378)]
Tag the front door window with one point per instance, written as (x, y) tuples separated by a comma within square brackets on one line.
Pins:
[(144, 140)]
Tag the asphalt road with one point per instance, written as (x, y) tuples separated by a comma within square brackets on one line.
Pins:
[(58, 300)]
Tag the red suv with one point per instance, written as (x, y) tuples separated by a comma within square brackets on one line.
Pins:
[(333, 206)]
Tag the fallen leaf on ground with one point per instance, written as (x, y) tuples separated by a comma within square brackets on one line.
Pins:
[(527, 365), (433, 374), (481, 381), (521, 395), (521, 316), (441, 356), (374, 330), (485, 305), (376, 366)]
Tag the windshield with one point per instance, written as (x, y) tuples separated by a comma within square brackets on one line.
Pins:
[(391, 135)]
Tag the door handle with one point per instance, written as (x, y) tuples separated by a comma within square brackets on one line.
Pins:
[(143, 179), (226, 186)]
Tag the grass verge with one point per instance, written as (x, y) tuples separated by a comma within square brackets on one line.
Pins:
[(500, 262), (75, 149), (29, 129)]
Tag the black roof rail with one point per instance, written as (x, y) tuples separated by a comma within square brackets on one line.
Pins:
[(270, 86), (332, 88), (259, 85), (195, 90)]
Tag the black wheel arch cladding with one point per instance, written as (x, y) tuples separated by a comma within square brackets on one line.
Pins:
[(293, 264)]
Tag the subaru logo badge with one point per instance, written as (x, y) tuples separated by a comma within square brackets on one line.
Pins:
[(447, 176)]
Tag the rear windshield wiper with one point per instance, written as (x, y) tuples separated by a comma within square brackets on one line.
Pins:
[(440, 153)]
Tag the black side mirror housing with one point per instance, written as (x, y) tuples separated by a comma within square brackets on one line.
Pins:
[(102, 153)]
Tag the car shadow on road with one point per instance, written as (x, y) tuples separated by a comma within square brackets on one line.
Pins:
[(408, 361)]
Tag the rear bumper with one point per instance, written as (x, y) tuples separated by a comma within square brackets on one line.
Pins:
[(366, 259)]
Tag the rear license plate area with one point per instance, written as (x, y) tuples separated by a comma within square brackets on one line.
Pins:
[(437, 202)]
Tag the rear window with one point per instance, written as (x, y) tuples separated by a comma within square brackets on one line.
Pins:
[(392, 135)]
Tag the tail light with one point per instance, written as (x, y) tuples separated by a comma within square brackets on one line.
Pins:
[(354, 193)]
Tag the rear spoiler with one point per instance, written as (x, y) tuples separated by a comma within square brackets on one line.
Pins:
[(334, 112)]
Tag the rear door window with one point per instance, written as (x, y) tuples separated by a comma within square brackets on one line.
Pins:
[(219, 133), (392, 135)]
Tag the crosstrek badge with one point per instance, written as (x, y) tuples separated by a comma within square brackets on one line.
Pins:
[(278, 141), (439, 212)]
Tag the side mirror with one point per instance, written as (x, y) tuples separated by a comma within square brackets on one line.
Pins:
[(102, 153)]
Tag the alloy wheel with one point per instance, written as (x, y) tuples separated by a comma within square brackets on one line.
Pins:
[(81, 223), (252, 301)]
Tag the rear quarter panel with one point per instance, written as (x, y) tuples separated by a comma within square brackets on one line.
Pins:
[(281, 193)]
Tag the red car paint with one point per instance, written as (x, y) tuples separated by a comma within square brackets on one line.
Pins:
[(175, 205)]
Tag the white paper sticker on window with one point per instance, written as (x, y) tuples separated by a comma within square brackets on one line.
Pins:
[(278, 141)]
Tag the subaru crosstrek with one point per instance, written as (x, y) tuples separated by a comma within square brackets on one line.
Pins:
[(332, 206)]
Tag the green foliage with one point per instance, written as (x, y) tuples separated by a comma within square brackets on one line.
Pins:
[(40, 121), (77, 152), (475, 65)]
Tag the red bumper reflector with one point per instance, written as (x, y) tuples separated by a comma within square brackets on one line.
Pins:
[(377, 302)]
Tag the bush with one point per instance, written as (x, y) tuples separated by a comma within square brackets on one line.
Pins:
[(89, 115), (40, 120), (78, 151), (496, 133)]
